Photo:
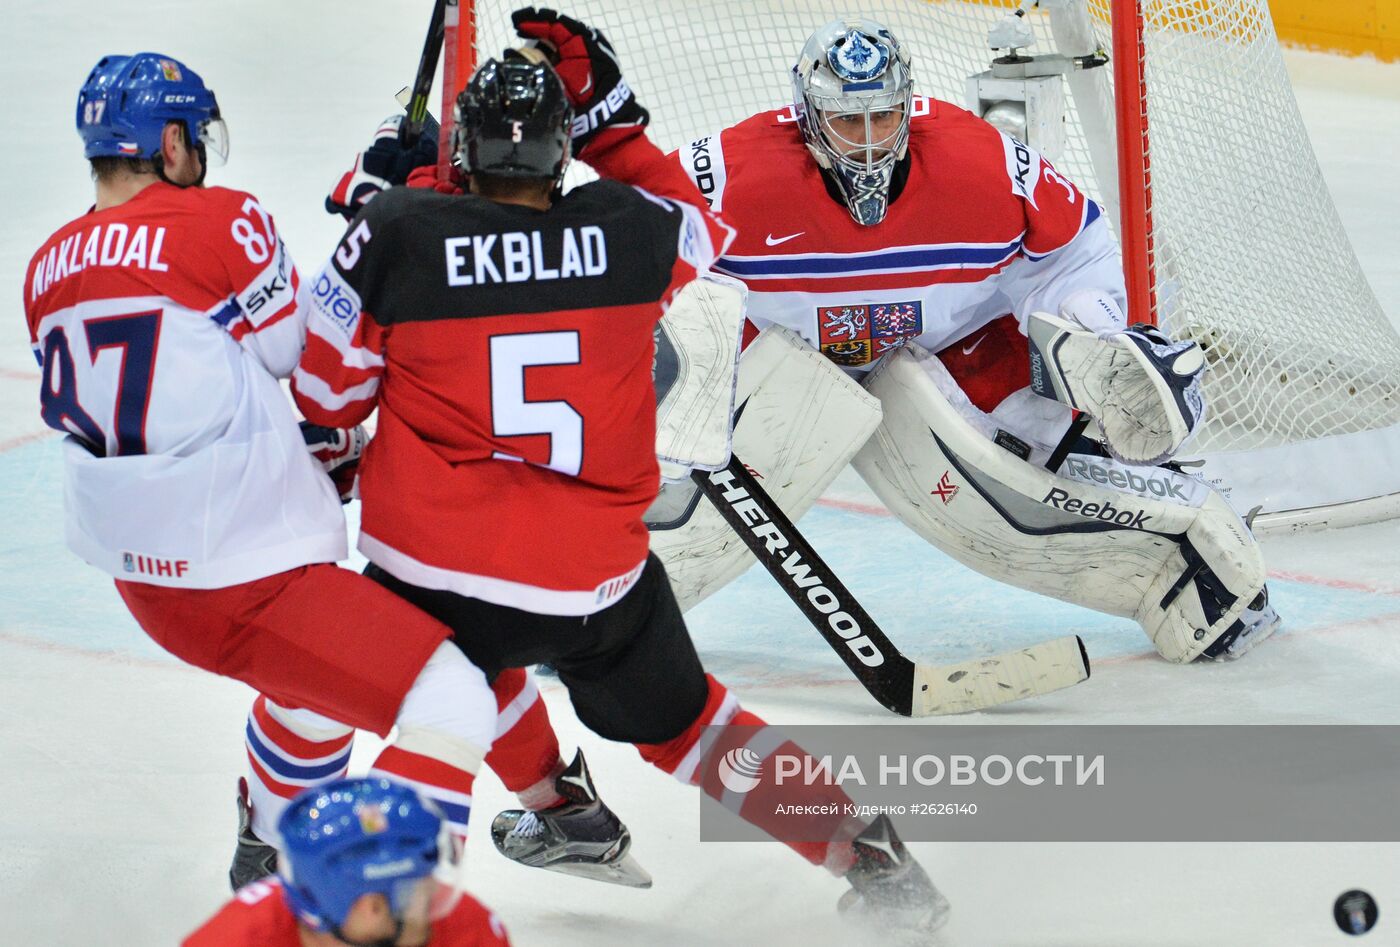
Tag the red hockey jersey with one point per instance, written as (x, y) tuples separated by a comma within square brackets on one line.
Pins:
[(258, 916), (981, 226), (161, 325), (509, 351)]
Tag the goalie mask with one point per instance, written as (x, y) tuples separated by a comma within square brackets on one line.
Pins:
[(854, 93)]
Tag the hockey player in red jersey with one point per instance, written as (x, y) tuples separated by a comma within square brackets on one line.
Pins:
[(162, 319), (978, 294), (367, 863), (506, 337)]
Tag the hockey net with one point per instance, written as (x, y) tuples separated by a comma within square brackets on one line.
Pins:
[(1244, 250)]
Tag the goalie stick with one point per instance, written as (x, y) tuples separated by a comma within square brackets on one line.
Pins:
[(905, 687)]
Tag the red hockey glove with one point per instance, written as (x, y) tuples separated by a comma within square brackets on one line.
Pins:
[(587, 64), (387, 162), (338, 451)]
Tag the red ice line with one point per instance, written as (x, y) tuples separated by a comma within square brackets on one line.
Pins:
[(870, 509), (23, 439)]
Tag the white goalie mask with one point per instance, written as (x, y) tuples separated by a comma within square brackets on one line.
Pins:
[(854, 92)]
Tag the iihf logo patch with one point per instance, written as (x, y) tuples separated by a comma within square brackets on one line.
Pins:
[(855, 58)]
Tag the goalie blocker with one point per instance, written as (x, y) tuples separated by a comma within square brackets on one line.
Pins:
[(1146, 543)]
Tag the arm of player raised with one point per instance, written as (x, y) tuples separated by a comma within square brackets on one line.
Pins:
[(700, 236), (336, 382), (264, 313)]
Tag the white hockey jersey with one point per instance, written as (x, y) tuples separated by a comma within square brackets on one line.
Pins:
[(161, 326)]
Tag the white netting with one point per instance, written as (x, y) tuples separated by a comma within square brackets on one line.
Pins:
[(1251, 257)]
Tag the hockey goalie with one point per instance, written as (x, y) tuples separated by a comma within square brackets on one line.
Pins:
[(944, 311)]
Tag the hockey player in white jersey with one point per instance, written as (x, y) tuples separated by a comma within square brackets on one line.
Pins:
[(162, 319), (978, 296)]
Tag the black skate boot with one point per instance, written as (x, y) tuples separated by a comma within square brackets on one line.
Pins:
[(580, 836), (889, 887), (253, 859)]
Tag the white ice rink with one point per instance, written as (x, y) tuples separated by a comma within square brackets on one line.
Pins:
[(117, 764)]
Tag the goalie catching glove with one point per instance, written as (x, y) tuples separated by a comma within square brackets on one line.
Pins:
[(588, 66), (1142, 388)]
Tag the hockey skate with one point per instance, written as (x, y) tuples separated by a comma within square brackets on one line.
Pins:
[(580, 836), (1257, 622), (253, 859), (889, 887)]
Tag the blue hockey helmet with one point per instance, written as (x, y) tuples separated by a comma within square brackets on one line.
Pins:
[(127, 101), (352, 837)]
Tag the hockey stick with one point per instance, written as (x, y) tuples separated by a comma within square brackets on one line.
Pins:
[(417, 104), (899, 684)]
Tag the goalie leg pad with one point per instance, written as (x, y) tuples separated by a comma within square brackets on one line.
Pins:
[(697, 359), (1143, 389), (800, 420), (1185, 571)]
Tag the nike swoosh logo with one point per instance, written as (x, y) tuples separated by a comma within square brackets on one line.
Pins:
[(968, 349), (773, 241)]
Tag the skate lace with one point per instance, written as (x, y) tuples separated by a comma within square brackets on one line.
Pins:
[(529, 826)]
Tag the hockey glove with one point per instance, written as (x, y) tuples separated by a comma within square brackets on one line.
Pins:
[(387, 162), (1143, 388), (338, 451), (588, 66)]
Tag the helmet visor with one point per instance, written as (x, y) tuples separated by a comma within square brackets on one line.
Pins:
[(213, 135), (418, 902)]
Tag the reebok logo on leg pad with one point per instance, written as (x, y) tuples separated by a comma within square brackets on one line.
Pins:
[(1106, 512)]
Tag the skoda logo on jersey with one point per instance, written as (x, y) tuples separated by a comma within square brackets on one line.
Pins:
[(856, 58)]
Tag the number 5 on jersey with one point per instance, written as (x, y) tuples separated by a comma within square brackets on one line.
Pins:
[(513, 416)]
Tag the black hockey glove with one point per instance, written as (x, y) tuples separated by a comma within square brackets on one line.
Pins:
[(387, 162), (587, 64), (337, 450)]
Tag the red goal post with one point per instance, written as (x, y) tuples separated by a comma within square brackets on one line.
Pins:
[(1204, 169)]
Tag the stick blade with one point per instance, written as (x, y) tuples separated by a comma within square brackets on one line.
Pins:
[(986, 682)]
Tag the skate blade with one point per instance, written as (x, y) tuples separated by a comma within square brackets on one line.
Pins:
[(1246, 643), (624, 871)]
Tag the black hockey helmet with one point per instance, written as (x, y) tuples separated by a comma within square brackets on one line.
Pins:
[(513, 120)]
